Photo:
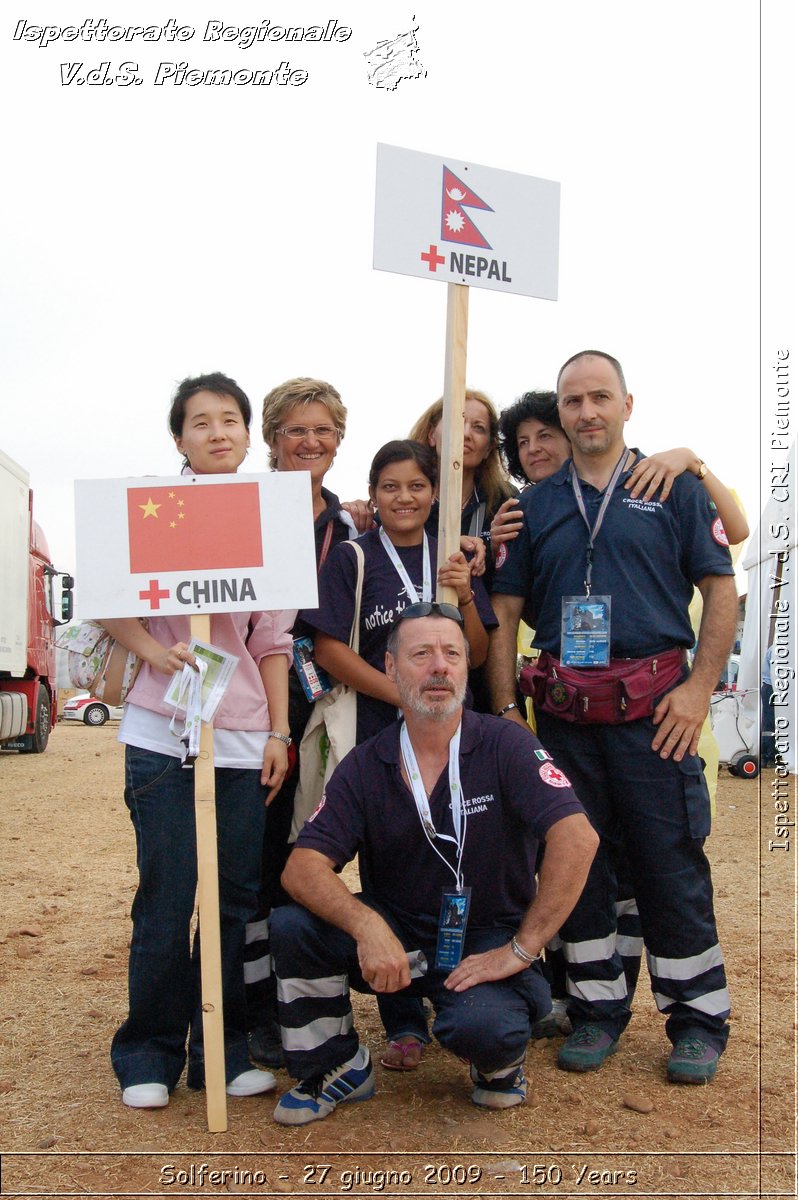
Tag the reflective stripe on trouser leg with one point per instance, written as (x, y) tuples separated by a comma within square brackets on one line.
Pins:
[(592, 971), (311, 961), (258, 972), (629, 941), (258, 969), (697, 984), (596, 984)]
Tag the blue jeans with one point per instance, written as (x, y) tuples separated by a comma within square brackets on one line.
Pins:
[(163, 972)]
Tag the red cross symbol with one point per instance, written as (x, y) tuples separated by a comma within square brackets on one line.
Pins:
[(154, 595), (432, 258)]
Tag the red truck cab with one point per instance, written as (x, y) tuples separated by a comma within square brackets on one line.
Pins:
[(28, 693)]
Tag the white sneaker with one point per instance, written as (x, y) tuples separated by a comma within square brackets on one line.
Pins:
[(146, 1095), (251, 1083)]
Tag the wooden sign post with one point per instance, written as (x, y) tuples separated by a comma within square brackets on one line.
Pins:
[(450, 484), (208, 903)]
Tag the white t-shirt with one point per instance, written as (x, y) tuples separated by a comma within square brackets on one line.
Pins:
[(236, 748)]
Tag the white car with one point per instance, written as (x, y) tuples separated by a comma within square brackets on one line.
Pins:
[(90, 710)]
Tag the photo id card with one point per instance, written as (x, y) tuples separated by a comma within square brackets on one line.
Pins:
[(585, 631), (452, 928), (314, 679)]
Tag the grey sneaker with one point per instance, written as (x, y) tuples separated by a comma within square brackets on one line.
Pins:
[(555, 1024), (692, 1060), (586, 1049)]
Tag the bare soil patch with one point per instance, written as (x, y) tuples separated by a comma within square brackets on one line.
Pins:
[(68, 869)]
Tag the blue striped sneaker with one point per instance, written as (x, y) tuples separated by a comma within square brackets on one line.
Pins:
[(315, 1098), (487, 1095)]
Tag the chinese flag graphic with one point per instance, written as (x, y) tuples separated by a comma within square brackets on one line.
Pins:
[(207, 527), (456, 225)]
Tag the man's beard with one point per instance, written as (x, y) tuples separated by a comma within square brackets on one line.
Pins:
[(412, 699), (586, 445)]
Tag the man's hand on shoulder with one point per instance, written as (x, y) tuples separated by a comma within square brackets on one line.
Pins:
[(680, 715), (382, 957)]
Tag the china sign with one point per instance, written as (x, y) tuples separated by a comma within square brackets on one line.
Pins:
[(194, 544)]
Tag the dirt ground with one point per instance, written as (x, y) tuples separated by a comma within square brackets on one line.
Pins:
[(68, 871)]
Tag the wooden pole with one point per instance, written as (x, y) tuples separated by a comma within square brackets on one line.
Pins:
[(450, 485), (208, 892)]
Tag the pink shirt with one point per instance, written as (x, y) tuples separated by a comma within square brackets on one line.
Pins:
[(244, 703)]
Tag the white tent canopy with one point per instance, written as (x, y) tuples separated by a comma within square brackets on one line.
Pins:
[(771, 614)]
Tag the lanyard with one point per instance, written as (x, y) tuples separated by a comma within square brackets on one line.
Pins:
[(422, 803), (616, 475), (190, 695), (426, 585)]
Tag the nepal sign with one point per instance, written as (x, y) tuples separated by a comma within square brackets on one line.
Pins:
[(454, 222), (188, 544)]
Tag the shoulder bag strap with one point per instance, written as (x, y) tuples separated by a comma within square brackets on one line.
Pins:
[(354, 635)]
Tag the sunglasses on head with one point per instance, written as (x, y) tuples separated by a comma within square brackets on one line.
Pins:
[(430, 608)]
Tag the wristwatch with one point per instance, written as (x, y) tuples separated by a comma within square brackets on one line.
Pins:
[(507, 708), (702, 469), (285, 738)]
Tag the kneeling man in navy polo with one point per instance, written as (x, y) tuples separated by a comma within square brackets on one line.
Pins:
[(446, 810), (618, 708)]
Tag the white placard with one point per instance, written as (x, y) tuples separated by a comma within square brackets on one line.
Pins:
[(248, 549), (455, 222)]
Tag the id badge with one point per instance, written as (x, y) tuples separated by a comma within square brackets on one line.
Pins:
[(585, 631), (314, 679), (452, 928)]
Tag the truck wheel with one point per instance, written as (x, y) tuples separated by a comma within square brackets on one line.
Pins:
[(746, 766), (36, 742), (95, 714)]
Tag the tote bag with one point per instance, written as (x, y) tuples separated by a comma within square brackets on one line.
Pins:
[(331, 731)]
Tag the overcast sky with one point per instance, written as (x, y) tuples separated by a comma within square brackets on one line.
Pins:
[(152, 232)]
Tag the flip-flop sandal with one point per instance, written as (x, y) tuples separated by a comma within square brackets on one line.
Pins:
[(402, 1056)]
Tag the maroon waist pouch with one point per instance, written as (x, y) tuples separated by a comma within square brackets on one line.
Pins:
[(625, 690)]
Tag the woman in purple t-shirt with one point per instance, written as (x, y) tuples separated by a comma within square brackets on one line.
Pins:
[(399, 562)]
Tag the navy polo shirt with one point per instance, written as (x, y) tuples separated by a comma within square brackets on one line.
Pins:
[(384, 597), (648, 556), (510, 806)]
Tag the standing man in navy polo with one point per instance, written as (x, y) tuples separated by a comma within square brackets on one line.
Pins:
[(446, 810), (618, 709)]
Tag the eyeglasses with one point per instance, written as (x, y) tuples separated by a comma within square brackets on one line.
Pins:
[(430, 608), (325, 433)]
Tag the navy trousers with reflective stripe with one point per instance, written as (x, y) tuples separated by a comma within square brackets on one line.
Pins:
[(660, 809), (315, 963)]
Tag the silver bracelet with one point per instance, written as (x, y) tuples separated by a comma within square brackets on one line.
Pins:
[(285, 738), (507, 708), (519, 952)]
